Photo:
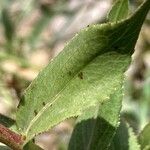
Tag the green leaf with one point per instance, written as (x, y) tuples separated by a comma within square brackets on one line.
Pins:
[(86, 72), (132, 141), (119, 11), (9, 29), (124, 139), (4, 148), (7, 122), (31, 146), (80, 94), (8, 25), (144, 137), (96, 127)]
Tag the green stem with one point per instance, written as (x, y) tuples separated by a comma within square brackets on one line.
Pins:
[(10, 138)]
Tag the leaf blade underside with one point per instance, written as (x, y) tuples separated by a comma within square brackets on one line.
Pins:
[(88, 70)]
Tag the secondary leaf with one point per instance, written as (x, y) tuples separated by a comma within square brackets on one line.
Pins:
[(119, 11), (4, 148), (86, 72), (124, 139), (133, 142), (144, 137), (96, 127), (31, 146), (8, 25), (7, 122)]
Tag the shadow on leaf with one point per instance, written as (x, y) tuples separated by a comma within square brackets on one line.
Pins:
[(92, 134)]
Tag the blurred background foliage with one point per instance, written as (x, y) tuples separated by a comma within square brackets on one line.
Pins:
[(32, 32)]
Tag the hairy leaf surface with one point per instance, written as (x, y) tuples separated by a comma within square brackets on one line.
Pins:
[(124, 139), (86, 72)]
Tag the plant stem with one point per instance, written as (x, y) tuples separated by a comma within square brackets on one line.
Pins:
[(10, 138)]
